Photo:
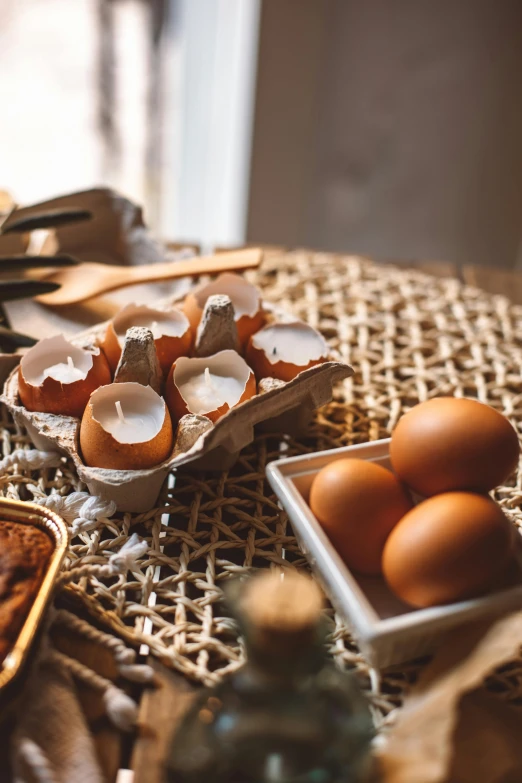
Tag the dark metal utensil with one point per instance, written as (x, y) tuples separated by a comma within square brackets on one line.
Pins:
[(52, 218), (22, 289), (10, 341), (21, 261)]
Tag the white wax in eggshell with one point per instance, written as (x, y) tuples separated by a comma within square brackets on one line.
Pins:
[(56, 358), (65, 372), (243, 295), (130, 412), (207, 383), (161, 323), (296, 343), (206, 391)]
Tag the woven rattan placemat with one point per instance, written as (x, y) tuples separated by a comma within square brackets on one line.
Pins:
[(409, 336)]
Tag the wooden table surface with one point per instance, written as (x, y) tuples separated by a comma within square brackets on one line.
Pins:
[(161, 707)]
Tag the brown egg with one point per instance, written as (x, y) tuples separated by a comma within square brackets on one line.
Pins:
[(283, 350), (449, 444), (450, 547), (139, 437), (69, 392), (358, 503)]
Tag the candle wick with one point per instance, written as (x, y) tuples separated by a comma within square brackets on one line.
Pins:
[(70, 363), (119, 411), (274, 351), (212, 386)]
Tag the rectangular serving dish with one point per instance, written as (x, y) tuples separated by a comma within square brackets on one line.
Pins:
[(38, 516), (387, 630)]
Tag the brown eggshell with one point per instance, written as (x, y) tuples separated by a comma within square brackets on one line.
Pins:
[(450, 547), (358, 503), (100, 449), (246, 324), (171, 348), (284, 370), (111, 347), (177, 404), (168, 347), (449, 444), (52, 396)]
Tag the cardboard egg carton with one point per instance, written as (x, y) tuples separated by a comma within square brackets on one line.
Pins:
[(279, 407)]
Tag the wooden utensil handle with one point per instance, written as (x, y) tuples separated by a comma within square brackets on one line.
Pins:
[(235, 260)]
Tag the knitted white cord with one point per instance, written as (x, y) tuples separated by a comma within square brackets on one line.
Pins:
[(81, 510), (36, 760), (127, 558), (121, 709), (31, 459), (84, 512), (119, 562), (124, 656)]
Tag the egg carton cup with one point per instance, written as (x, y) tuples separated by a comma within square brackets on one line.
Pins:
[(283, 409), (387, 630)]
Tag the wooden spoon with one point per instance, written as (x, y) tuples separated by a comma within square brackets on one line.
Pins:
[(87, 280)]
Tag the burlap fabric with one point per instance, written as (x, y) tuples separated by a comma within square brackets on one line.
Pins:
[(409, 336)]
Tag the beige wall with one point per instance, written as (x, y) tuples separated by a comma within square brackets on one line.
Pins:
[(392, 128)]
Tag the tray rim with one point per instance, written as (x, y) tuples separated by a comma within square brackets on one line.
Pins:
[(43, 518)]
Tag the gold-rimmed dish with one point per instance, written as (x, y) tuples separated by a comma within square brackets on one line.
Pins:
[(44, 519)]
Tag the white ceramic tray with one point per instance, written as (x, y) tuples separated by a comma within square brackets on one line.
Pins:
[(387, 630)]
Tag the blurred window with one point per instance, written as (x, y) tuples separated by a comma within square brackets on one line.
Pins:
[(152, 97)]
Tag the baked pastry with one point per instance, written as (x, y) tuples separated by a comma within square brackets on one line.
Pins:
[(25, 551)]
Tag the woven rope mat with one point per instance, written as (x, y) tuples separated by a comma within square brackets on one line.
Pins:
[(409, 337)]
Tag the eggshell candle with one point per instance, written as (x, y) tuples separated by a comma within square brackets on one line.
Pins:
[(283, 350), (170, 328), (125, 426), (56, 376), (248, 312), (209, 386)]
